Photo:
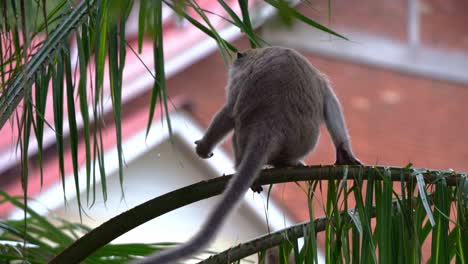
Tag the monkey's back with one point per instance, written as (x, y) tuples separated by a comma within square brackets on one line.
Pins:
[(276, 90)]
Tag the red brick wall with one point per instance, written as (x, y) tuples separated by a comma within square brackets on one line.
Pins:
[(396, 118), (382, 18)]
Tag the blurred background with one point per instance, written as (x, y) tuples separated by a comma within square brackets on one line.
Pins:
[(402, 79)]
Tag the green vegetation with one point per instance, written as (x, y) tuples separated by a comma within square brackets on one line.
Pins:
[(390, 221), (394, 212)]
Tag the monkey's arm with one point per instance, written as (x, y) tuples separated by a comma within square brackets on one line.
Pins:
[(222, 123), (337, 128)]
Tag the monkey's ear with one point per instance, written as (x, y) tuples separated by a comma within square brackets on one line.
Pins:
[(240, 55)]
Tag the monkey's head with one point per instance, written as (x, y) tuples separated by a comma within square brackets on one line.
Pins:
[(256, 55), (241, 62), (256, 59), (242, 57), (246, 57)]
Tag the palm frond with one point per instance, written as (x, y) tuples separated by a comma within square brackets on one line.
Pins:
[(44, 238)]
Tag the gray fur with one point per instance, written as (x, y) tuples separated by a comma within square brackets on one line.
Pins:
[(276, 103)]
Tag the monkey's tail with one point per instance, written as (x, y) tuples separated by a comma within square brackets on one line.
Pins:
[(256, 155)]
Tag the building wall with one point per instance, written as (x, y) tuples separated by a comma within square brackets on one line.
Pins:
[(443, 22)]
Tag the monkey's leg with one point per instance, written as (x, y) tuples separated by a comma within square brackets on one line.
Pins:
[(221, 125), (338, 131), (344, 156)]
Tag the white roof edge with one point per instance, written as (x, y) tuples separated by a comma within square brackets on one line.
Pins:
[(136, 146), (377, 51)]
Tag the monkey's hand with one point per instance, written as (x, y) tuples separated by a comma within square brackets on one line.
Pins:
[(203, 150), (344, 156)]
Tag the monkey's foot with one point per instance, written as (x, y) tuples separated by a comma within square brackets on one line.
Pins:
[(257, 188), (300, 164), (344, 156)]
